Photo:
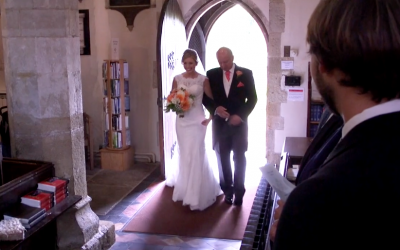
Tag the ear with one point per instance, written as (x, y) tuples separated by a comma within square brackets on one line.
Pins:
[(322, 68)]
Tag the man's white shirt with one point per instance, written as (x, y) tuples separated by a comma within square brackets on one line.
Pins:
[(228, 83), (380, 109)]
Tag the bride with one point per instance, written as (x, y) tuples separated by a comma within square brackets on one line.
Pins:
[(194, 181)]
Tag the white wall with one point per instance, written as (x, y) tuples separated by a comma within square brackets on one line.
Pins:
[(295, 113), (138, 47)]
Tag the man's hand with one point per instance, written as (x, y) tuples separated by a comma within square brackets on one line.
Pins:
[(277, 215), (235, 120), (221, 111), (278, 211), (272, 231)]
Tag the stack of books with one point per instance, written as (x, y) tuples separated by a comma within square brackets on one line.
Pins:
[(49, 193), (39, 199), (27, 215), (56, 186)]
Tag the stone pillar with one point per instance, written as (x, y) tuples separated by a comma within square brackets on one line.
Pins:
[(44, 90), (275, 95)]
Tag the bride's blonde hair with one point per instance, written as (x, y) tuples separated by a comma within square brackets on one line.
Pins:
[(190, 53)]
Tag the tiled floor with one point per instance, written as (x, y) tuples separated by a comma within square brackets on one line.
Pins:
[(132, 203)]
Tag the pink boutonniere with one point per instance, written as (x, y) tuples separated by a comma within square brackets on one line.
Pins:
[(239, 73)]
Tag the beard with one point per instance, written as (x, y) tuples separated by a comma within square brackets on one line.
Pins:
[(327, 93)]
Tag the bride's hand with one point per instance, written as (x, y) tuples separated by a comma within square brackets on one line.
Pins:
[(205, 122)]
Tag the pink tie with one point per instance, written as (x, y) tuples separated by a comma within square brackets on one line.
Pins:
[(228, 75)]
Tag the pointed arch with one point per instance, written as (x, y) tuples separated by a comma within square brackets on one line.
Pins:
[(201, 7)]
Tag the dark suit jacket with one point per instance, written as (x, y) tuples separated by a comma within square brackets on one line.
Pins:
[(352, 201), (241, 99), (318, 146)]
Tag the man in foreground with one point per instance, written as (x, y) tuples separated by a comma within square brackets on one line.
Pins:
[(351, 202)]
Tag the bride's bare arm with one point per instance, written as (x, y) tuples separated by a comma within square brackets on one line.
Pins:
[(207, 88), (207, 91), (174, 85)]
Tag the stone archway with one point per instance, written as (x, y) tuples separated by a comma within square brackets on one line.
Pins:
[(272, 30)]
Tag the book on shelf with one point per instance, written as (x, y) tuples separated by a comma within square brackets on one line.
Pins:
[(115, 70), (60, 197), (44, 199), (107, 122), (128, 137), (24, 213), (36, 198), (36, 221), (117, 138), (126, 70), (47, 205), (127, 103), (115, 87), (126, 86), (117, 122), (53, 184), (116, 104)]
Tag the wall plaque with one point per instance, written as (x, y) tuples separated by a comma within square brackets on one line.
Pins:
[(129, 9)]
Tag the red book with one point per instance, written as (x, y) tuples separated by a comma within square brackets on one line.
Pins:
[(59, 199), (36, 198), (53, 184), (60, 195), (61, 192), (47, 205)]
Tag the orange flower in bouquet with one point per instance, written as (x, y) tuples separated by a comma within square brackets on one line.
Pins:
[(179, 101)]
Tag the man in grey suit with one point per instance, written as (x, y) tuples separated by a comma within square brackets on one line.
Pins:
[(351, 202)]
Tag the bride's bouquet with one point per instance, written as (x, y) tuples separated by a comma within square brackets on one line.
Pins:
[(179, 101)]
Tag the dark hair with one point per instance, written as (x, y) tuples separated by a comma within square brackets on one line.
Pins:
[(362, 39), (190, 53)]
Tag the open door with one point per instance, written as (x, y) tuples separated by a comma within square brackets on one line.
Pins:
[(171, 42)]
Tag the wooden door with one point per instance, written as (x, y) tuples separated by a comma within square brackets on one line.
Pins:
[(171, 43)]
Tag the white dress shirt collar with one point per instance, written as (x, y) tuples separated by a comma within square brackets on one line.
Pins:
[(380, 109)]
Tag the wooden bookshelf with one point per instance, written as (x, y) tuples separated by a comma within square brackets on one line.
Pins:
[(117, 153)]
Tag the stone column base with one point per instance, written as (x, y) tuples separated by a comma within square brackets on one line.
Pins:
[(104, 239)]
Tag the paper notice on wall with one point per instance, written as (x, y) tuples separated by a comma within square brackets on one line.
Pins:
[(287, 65), (295, 95), (114, 49)]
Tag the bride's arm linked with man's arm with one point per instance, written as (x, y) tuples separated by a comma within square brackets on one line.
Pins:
[(207, 95)]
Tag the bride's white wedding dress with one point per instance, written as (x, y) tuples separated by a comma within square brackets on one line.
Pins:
[(193, 180)]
